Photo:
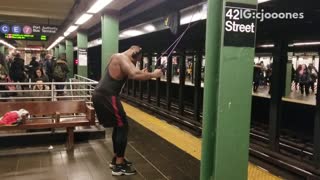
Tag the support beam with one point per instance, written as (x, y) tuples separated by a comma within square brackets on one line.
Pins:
[(82, 39), (227, 96), (110, 38), (169, 82), (289, 77), (316, 131), (141, 83), (278, 80), (70, 58), (56, 52), (197, 86), (2, 49), (149, 81), (158, 63), (182, 80), (62, 49)]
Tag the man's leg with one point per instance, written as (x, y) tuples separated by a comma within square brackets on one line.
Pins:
[(120, 144), (120, 139)]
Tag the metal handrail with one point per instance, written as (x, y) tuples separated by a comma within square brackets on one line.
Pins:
[(48, 83), (77, 88)]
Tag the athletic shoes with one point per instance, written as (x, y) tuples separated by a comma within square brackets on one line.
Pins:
[(113, 163), (123, 169)]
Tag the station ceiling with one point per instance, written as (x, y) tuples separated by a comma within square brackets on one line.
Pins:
[(35, 11), (43, 12), (133, 12)]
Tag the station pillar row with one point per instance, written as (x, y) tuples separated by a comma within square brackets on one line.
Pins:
[(277, 90), (110, 38), (62, 49), (56, 52), (2, 49), (70, 58), (289, 77), (227, 92), (82, 40)]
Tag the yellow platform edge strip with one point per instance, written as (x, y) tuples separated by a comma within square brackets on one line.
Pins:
[(184, 140)]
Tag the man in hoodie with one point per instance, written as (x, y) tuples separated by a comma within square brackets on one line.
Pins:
[(60, 71)]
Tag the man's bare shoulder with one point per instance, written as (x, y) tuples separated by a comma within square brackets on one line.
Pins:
[(120, 58)]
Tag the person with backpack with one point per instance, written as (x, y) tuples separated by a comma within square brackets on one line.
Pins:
[(59, 73), (16, 71)]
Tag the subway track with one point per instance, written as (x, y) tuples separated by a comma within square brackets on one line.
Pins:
[(294, 157)]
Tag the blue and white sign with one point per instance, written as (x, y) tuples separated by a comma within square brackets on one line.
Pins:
[(4, 28), (16, 29)]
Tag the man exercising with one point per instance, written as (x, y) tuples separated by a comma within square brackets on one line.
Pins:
[(107, 103)]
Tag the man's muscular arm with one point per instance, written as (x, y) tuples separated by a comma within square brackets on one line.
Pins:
[(134, 73)]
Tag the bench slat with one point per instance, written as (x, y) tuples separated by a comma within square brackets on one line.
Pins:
[(44, 107), (47, 125)]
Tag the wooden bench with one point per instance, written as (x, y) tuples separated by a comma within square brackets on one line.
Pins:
[(53, 110)]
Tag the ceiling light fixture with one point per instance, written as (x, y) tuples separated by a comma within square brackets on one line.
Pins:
[(266, 45), (72, 28), (149, 28), (98, 5), (306, 43), (84, 18), (132, 33), (65, 34), (57, 41), (262, 1), (7, 44)]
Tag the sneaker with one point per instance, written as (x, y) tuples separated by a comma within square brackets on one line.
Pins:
[(123, 169), (112, 164)]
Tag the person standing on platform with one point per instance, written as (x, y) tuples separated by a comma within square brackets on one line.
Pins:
[(59, 73), (48, 66), (313, 74), (16, 72), (304, 79), (107, 103)]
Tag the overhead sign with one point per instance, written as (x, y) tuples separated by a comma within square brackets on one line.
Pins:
[(239, 30), (6, 28), (30, 37)]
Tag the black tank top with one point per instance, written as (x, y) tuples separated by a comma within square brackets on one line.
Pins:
[(109, 86)]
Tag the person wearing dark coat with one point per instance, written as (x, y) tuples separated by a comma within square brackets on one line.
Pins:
[(16, 72), (304, 79)]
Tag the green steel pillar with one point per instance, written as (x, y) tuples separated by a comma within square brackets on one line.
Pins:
[(62, 49), (2, 49), (110, 38), (82, 39), (70, 58), (56, 52), (227, 90), (288, 78), (6, 51)]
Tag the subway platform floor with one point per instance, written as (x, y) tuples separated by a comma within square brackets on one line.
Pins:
[(157, 149)]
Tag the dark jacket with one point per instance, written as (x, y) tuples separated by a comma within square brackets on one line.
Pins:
[(305, 77), (17, 70)]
